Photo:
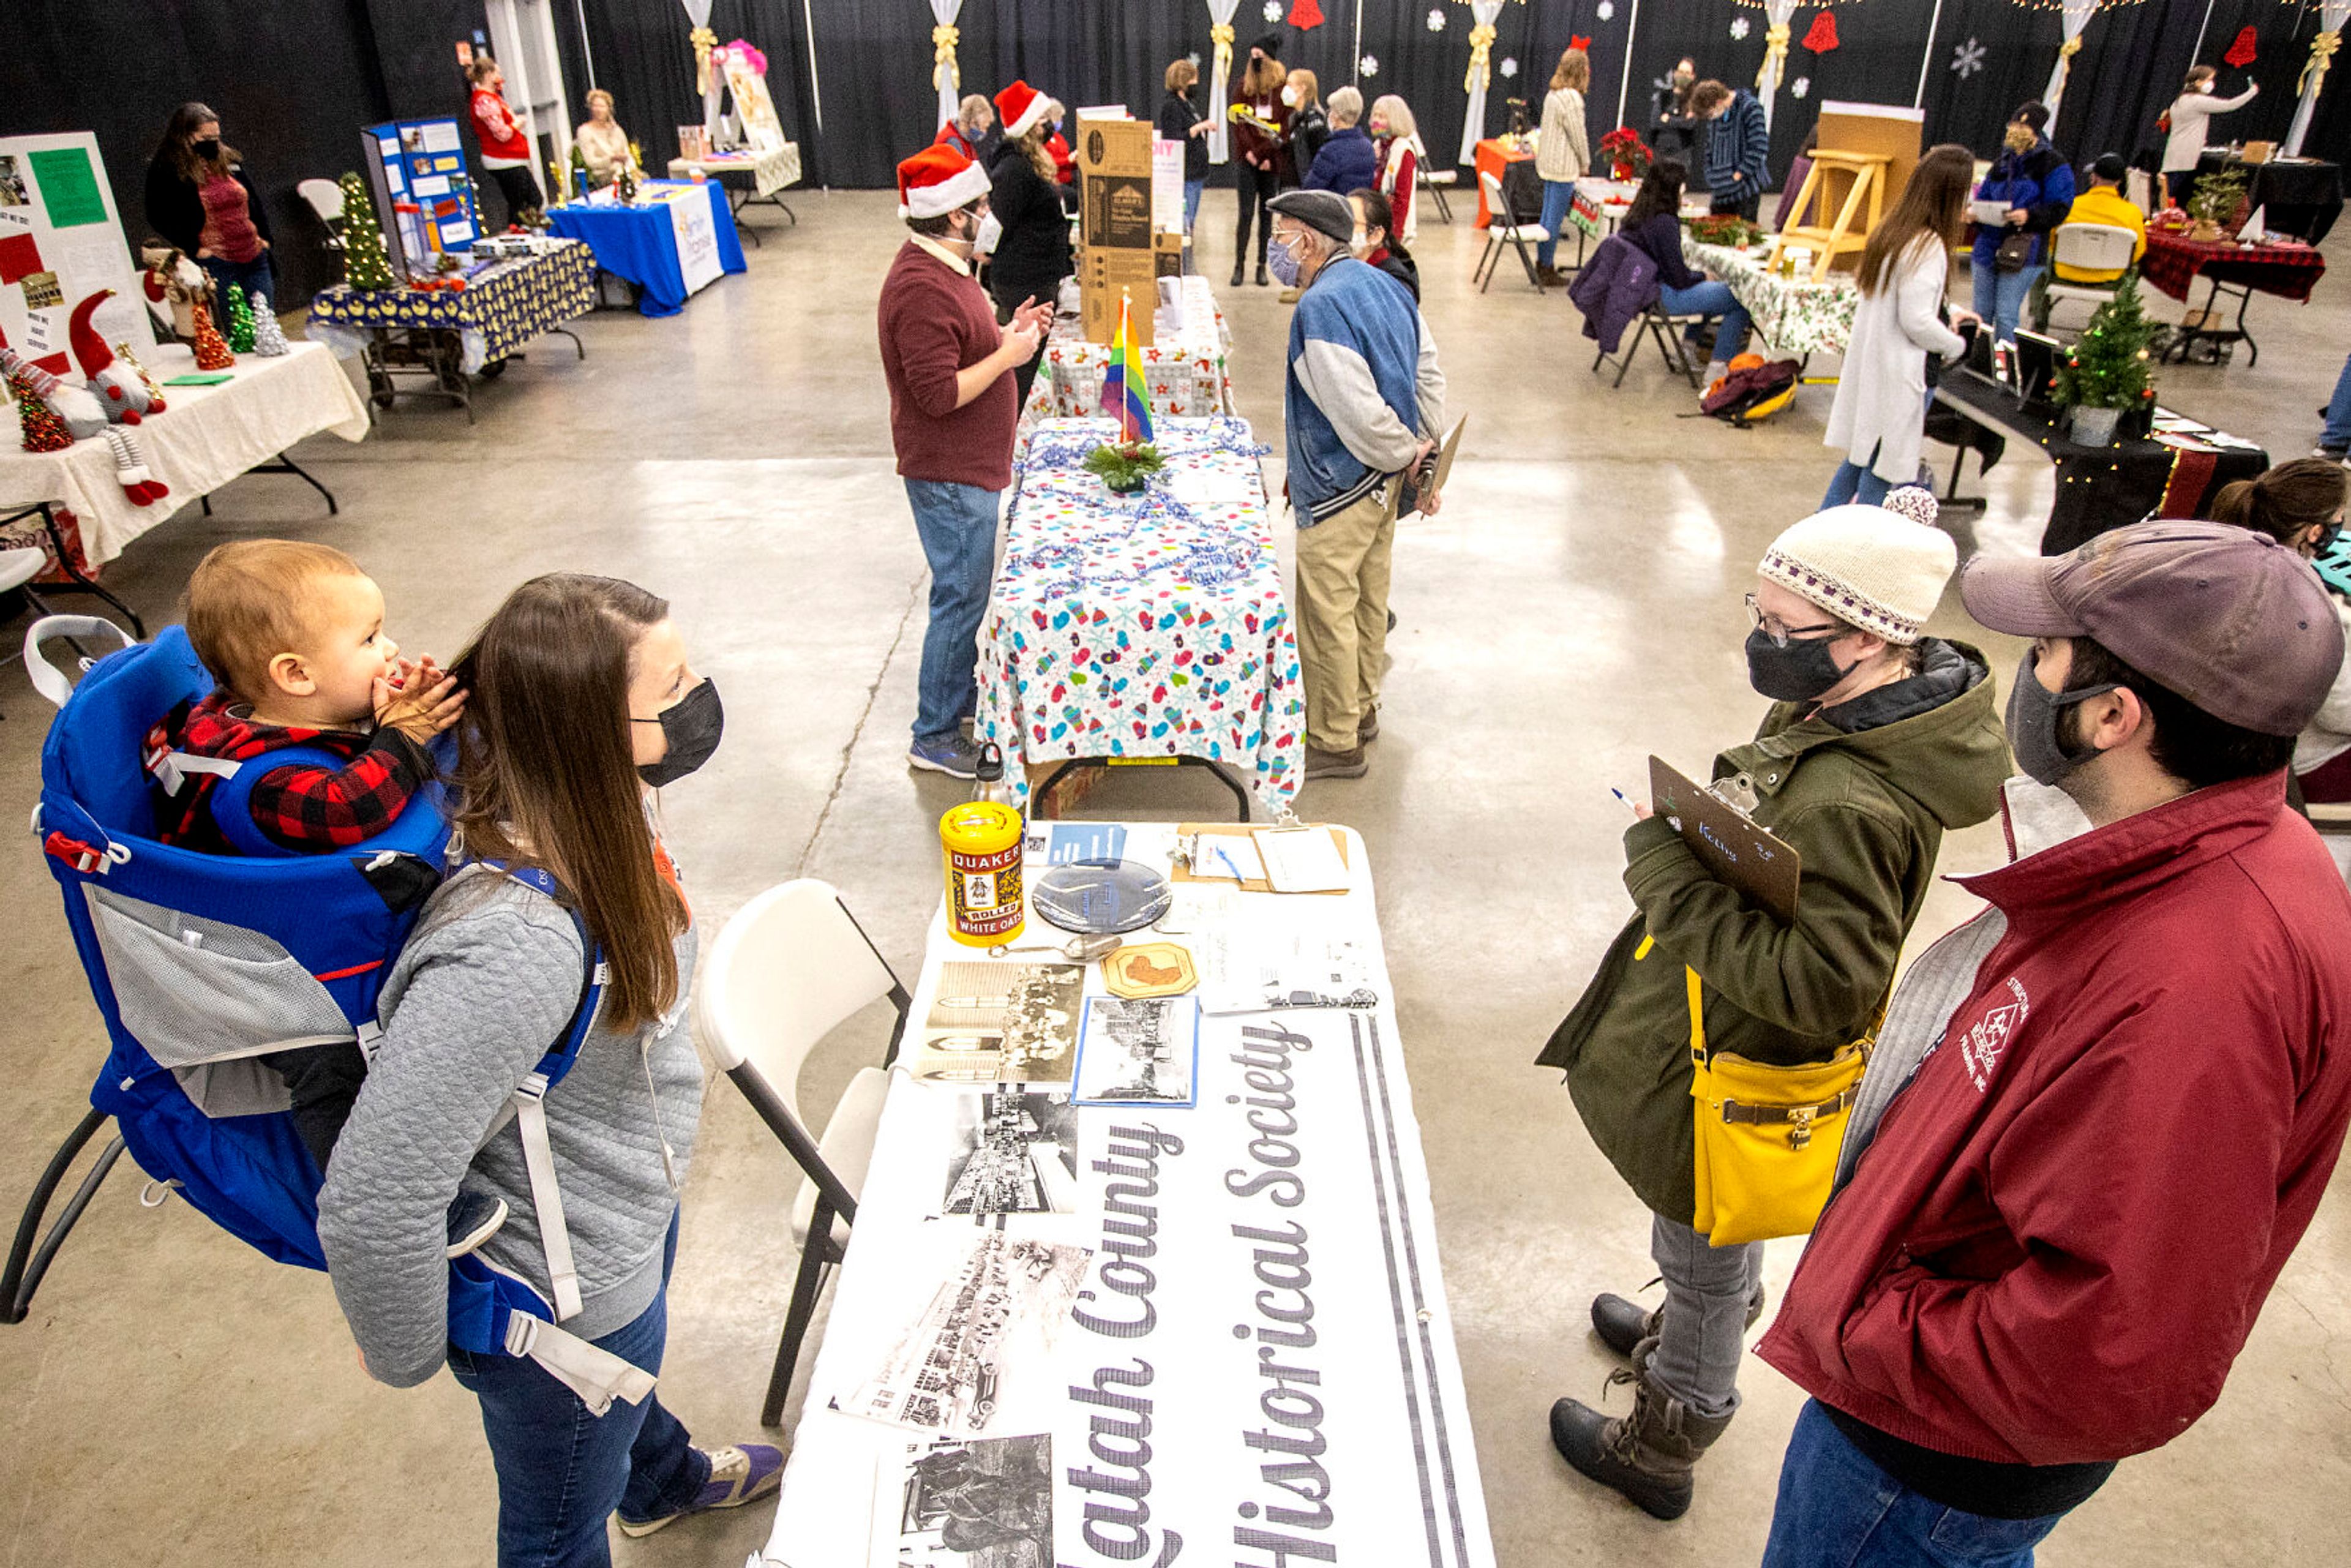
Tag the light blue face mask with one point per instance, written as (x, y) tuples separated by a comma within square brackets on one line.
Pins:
[(1282, 261)]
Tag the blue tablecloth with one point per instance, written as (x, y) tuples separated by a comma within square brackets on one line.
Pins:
[(639, 243)]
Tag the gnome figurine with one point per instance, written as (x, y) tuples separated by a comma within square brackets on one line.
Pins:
[(76, 410), (125, 394)]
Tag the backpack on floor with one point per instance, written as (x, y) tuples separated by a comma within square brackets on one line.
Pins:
[(1753, 392), (200, 964)]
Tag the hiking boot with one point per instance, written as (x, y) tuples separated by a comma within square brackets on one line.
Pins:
[(737, 1475), (1550, 277), (1321, 764), (1369, 730), (1647, 1456), (951, 754), (1622, 1325)]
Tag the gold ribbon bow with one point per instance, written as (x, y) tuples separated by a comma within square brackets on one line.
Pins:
[(1775, 55), (2314, 70), (943, 71), (1222, 32), (704, 40), (1481, 74)]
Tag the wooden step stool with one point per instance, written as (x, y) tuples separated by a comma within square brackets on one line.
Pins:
[(1867, 175)]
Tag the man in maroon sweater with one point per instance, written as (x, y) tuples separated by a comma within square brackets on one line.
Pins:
[(954, 413), (2100, 1115)]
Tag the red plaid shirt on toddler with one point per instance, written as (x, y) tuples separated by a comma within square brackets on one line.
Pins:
[(309, 810)]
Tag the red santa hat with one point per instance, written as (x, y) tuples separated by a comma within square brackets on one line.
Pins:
[(88, 346), (1020, 107), (936, 180)]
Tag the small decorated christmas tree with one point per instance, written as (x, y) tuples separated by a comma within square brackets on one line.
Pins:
[(2110, 366), (365, 266), (268, 337), (43, 431), (240, 310), (212, 348)]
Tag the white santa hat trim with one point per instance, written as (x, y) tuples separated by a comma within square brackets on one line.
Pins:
[(936, 180)]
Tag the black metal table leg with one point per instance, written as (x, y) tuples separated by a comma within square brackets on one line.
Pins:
[(76, 582)]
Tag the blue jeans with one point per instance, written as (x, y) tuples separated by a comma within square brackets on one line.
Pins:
[(958, 525), (1192, 189), (562, 1471), (2000, 297), (2337, 435), (1558, 196), (1838, 1509), (1711, 298), (254, 276), (1854, 482)]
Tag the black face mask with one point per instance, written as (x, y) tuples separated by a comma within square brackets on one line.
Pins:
[(2034, 713), (208, 149), (1795, 674), (692, 726)]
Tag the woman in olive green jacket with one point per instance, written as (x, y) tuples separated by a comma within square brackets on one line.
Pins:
[(1879, 740)]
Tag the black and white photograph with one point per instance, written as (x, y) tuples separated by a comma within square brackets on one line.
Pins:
[(985, 1502), (1001, 1023), (12, 184), (995, 1317), (1140, 1051), (1015, 1153)]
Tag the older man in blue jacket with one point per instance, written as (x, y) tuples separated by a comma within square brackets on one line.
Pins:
[(1738, 147), (1363, 404)]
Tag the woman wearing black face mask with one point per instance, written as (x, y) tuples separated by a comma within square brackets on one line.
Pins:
[(582, 699), (200, 199), (1879, 738)]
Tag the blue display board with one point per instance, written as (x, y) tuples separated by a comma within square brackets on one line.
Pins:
[(420, 164)]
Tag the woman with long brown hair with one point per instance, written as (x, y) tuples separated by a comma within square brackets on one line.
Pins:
[(1879, 418), (1562, 152), (582, 703), (1260, 126), (1028, 252), (200, 199)]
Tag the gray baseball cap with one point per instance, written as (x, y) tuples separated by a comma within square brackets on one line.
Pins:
[(2227, 618), (1326, 211)]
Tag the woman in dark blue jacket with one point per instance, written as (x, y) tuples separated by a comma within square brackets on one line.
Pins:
[(2033, 179)]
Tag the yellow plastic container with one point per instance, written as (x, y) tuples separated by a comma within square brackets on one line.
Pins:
[(981, 844)]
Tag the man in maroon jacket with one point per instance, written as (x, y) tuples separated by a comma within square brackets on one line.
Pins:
[(2102, 1112), (954, 413)]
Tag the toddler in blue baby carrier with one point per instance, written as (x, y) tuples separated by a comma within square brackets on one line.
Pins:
[(202, 963)]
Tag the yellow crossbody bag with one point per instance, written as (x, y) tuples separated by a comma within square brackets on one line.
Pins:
[(1768, 1137)]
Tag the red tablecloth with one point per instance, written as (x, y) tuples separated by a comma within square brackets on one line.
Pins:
[(1493, 158), (2174, 261)]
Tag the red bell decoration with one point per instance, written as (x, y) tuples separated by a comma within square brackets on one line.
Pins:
[(1305, 13), (1823, 37), (2241, 53)]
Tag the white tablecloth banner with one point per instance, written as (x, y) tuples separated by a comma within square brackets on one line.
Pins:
[(204, 437), (1260, 1367), (697, 235)]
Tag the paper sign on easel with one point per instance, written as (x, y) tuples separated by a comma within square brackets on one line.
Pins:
[(61, 240)]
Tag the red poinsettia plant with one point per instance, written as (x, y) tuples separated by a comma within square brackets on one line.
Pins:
[(1627, 156)]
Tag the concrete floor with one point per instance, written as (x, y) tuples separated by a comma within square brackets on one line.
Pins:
[(174, 1399)]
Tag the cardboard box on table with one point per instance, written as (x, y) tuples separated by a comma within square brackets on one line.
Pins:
[(1118, 255)]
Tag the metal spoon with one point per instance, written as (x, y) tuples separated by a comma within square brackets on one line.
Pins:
[(1078, 949)]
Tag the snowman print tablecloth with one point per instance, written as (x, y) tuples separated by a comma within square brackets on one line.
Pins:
[(1144, 625)]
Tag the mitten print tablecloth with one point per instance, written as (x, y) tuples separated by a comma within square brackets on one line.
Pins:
[(1185, 368), (1143, 625)]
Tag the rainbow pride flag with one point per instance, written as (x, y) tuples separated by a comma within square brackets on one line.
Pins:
[(1126, 394)]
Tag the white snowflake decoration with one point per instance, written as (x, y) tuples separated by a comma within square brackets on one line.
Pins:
[(1801, 86), (1436, 21), (1968, 58), (1739, 26), (1607, 9), (1195, 57), (1510, 68), (1273, 10), (1367, 66)]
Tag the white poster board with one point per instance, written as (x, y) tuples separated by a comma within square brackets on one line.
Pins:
[(1167, 186), (697, 233), (61, 241)]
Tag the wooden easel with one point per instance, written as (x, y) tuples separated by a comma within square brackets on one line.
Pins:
[(1868, 174)]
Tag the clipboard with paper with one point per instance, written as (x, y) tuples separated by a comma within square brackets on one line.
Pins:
[(1433, 472), (1760, 866)]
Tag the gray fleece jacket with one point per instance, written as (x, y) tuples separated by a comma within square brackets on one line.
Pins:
[(487, 983)]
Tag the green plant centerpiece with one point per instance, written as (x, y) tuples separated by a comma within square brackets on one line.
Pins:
[(1124, 467), (2109, 370), (2213, 202)]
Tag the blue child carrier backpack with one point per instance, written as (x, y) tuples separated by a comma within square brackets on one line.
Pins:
[(201, 963)]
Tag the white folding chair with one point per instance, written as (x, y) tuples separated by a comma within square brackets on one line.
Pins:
[(1500, 232), (1437, 182), (326, 199), (2091, 247), (786, 970)]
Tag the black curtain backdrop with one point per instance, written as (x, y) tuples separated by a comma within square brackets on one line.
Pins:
[(294, 79)]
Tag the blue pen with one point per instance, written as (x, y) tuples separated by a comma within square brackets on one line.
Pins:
[(1218, 851), (1621, 796)]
